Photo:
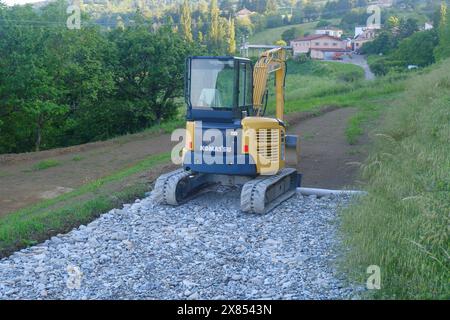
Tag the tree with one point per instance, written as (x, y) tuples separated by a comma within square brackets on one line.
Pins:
[(311, 13), (214, 32), (231, 37), (417, 49), (200, 37), (297, 16), (383, 44), (329, 10), (259, 22), (280, 43), (227, 6), (259, 6), (442, 51), (149, 72), (243, 26), (186, 21), (271, 6), (352, 18), (293, 3), (274, 20), (361, 4), (407, 27), (291, 34), (52, 73), (322, 24), (393, 24), (334, 9)]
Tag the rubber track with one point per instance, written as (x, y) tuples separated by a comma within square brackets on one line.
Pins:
[(166, 185), (254, 192)]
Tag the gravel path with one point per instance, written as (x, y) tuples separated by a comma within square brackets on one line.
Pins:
[(204, 249), (360, 61)]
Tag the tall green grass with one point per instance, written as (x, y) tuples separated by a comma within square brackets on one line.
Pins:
[(402, 225), (312, 84)]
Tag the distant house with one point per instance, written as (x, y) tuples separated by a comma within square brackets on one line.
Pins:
[(382, 3), (366, 35), (331, 31), (319, 46), (428, 26), (244, 13), (361, 29)]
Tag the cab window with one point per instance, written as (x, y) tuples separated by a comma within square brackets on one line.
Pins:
[(245, 84)]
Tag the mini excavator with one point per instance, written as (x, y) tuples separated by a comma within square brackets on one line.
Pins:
[(229, 139)]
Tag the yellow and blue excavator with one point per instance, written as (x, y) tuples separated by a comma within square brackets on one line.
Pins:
[(229, 139)]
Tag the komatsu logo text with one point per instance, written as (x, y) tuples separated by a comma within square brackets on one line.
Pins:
[(215, 149)]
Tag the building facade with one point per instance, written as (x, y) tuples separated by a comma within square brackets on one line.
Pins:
[(330, 31), (318, 46), (366, 35)]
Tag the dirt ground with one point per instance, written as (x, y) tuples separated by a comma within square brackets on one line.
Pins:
[(325, 160), (21, 186)]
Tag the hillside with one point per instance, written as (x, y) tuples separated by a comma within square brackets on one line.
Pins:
[(402, 224), (269, 36)]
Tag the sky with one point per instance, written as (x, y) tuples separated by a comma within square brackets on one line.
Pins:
[(13, 2)]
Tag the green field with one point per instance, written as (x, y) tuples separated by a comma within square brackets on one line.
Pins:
[(269, 36), (402, 225)]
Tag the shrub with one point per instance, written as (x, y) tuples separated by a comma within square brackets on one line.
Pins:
[(322, 23), (291, 34)]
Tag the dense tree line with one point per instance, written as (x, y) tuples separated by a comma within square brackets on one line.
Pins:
[(401, 43), (61, 87)]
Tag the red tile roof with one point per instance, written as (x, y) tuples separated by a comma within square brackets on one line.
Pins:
[(317, 36), (244, 11)]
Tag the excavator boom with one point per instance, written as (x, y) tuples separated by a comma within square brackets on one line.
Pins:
[(271, 61)]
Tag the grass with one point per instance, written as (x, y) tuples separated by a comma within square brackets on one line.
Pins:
[(49, 217), (314, 84), (308, 84), (402, 224), (269, 36), (77, 158), (45, 164), (367, 113)]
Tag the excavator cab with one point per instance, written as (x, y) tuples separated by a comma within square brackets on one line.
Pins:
[(218, 94), (218, 89), (228, 139)]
